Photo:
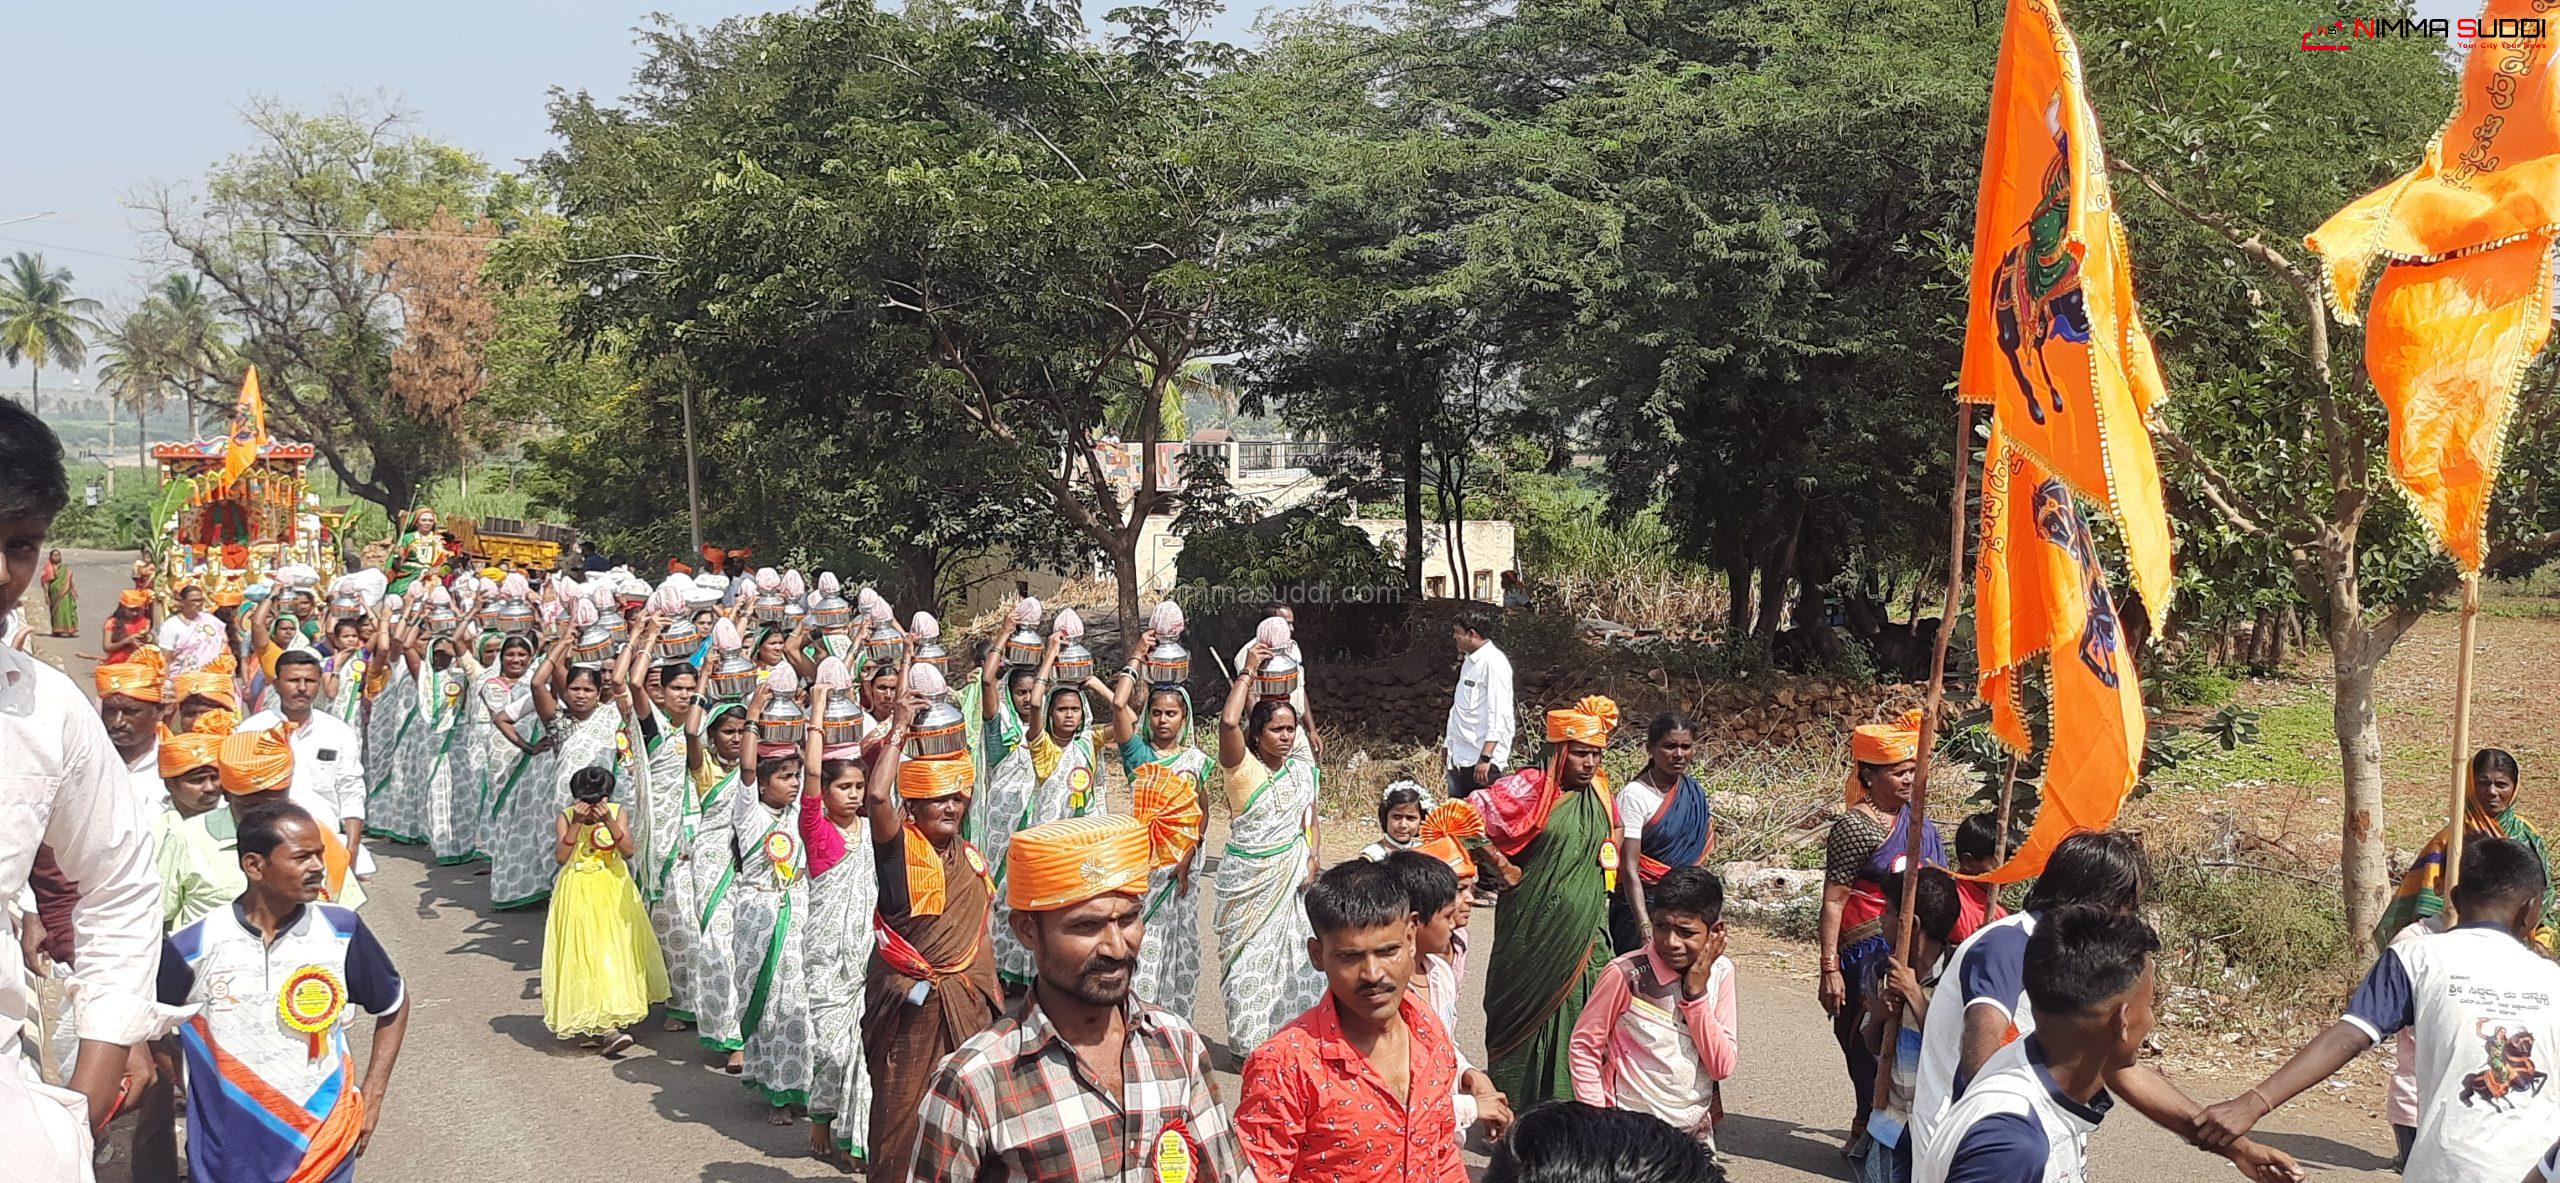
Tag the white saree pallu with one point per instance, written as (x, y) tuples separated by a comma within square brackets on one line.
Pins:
[(395, 810), (656, 785), (1169, 960), (482, 756), (516, 833), (452, 803), (348, 703), (1072, 789), (836, 949), (709, 864), (1262, 927), (771, 890)]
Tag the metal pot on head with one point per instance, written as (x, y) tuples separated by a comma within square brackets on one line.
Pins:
[(733, 676), (1025, 646), (1278, 678), (1167, 662), (942, 731)]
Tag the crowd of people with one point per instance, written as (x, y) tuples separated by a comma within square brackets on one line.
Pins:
[(947, 909)]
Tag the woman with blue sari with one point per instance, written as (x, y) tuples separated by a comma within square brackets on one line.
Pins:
[(1873, 837), (1663, 822)]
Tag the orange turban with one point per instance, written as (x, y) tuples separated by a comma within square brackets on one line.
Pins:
[(133, 597), (1064, 863), (1882, 743), (143, 675), (1588, 721), (229, 595), (1454, 820), (213, 681), (201, 745), (256, 761), (936, 776), (1448, 850), (1168, 805)]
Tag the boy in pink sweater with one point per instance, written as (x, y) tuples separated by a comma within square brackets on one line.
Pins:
[(1659, 1031)]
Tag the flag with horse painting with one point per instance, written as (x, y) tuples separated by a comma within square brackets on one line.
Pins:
[(2053, 341), (2040, 594), (2464, 301)]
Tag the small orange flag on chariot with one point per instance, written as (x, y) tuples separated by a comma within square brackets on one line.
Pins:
[(2464, 300), (248, 429)]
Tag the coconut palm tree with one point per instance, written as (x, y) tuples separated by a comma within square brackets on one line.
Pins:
[(198, 341), (136, 368), (41, 322)]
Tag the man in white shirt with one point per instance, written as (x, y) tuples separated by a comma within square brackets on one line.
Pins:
[(2485, 1008), (63, 787), (1482, 716), (328, 769), (133, 697)]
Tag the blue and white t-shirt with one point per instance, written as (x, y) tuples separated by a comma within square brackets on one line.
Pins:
[(2485, 1009), (2014, 1125), (1990, 970)]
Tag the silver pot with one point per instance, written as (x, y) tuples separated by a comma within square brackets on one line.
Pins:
[(768, 608), (1025, 646), (842, 723), (679, 641), (1278, 679), (884, 644), (733, 676), (595, 643), (1075, 664), (942, 731), (784, 721), (933, 654), (516, 616), (1167, 662), (831, 612)]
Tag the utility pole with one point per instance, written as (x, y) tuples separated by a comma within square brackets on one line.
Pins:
[(692, 471)]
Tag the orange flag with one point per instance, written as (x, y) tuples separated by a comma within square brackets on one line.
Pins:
[(2055, 345), (2053, 340), (248, 429), (2464, 301), (2039, 591)]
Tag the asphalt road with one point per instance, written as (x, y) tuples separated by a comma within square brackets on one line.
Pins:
[(484, 1093)]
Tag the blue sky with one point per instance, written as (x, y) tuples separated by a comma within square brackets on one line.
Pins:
[(147, 92)]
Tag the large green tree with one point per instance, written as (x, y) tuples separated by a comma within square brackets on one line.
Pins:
[(41, 322), (970, 219), (285, 233)]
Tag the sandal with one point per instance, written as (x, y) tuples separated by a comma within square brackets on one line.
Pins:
[(620, 1043)]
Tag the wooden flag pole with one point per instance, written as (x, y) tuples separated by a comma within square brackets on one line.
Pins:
[(1919, 804), (2460, 810), (2008, 798)]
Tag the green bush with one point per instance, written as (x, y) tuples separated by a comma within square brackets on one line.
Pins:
[(2192, 679), (2234, 930)]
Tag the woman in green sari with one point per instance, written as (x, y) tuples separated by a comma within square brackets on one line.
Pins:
[(2491, 813), (1556, 827), (59, 596)]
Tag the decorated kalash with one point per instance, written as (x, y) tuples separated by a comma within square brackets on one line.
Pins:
[(236, 509)]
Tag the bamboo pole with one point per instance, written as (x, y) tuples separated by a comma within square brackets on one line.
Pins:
[(2460, 806), (1919, 804), (2008, 796)]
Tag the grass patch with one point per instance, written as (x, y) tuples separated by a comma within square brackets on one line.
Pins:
[(2251, 934), (2297, 745)]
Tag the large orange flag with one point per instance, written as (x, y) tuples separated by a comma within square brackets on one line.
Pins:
[(2055, 345), (248, 429), (2041, 592), (2053, 340), (2464, 302)]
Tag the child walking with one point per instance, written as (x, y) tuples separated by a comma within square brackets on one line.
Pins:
[(1659, 1031), (601, 969), (1897, 1008)]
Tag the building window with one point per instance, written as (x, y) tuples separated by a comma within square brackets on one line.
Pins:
[(1436, 587), (1484, 585)]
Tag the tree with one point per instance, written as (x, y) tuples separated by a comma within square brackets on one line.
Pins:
[(198, 343), (41, 322), (446, 320), (2229, 149), (285, 233), (137, 370), (967, 208)]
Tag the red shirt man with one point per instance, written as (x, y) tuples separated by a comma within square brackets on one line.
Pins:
[(1358, 1088)]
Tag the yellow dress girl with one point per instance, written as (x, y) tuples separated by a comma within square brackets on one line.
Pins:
[(601, 968)]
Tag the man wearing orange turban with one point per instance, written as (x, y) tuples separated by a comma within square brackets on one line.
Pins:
[(198, 836), (1871, 839), (1552, 839), (934, 981), (1075, 888), (207, 689), (257, 768), (132, 698)]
